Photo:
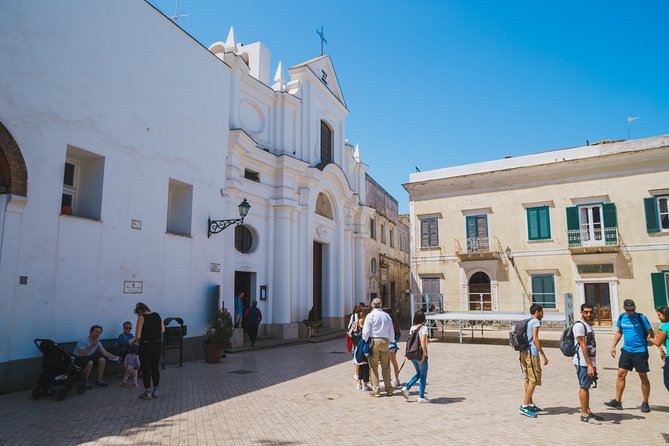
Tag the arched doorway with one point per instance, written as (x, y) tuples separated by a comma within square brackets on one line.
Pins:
[(480, 297), (13, 172)]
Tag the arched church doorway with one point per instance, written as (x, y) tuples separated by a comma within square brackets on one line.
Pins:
[(480, 297), (13, 172)]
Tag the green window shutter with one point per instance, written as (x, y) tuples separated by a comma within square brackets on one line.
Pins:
[(471, 227), (652, 224), (659, 290), (434, 232), (424, 233), (532, 224), (544, 223), (610, 217), (572, 224), (537, 286)]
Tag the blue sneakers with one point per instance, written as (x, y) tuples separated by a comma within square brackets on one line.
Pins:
[(533, 407), (527, 411)]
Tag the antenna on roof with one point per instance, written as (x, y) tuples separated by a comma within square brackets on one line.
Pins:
[(322, 36), (629, 121), (176, 15)]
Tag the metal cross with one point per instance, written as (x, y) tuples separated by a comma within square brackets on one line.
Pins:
[(322, 36)]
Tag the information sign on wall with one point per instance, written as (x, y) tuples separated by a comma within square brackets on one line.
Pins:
[(595, 268), (133, 287)]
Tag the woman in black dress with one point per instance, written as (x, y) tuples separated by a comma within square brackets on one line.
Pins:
[(150, 329)]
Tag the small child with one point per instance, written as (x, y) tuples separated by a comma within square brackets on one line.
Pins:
[(129, 346), (360, 360)]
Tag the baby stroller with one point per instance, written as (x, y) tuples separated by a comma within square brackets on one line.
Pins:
[(59, 373)]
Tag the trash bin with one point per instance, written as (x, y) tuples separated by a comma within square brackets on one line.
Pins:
[(173, 338)]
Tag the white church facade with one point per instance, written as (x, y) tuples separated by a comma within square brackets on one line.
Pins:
[(113, 157)]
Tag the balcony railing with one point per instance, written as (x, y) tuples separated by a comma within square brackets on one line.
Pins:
[(478, 244), (595, 237)]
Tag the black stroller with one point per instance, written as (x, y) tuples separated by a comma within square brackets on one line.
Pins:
[(59, 373)]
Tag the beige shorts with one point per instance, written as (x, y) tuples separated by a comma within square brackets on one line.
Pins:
[(531, 367)]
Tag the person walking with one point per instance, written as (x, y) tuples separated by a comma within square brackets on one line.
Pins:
[(239, 308), (635, 328), (530, 362), (378, 331), (419, 364), (353, 333), (584, 361), (393, 348), (253, 318), (150, 328), (662, 338)]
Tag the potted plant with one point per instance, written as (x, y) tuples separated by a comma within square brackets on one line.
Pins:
[(217, 336)]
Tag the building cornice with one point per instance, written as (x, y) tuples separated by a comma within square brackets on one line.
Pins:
[(618, 164)]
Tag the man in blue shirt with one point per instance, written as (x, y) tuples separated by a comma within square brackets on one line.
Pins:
[(635, 328)]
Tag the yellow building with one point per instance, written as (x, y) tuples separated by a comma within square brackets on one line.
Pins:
[(590, 221)]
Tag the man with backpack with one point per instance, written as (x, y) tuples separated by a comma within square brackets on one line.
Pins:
[(635, 328), (530, 361), (583, 339)]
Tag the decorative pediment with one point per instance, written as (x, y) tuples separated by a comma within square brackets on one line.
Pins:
[(323, 69)]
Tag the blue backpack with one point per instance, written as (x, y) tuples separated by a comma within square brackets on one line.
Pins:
[(362, 351)]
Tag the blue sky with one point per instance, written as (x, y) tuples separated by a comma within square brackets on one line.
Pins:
[(435, 84)]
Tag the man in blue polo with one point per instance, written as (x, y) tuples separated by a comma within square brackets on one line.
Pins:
[(635, 328)]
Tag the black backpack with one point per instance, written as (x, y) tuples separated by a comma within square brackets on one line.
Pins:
[(567, 344), (518, 336), (414, 351)]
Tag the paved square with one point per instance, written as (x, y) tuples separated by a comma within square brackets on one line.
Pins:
[(305, 395)]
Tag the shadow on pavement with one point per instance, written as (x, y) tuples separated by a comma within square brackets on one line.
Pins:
[(617, 417), (610, 416), (183, 389), (447, 400)]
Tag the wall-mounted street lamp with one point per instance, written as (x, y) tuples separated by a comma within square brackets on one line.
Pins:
[(509, 256), (216, 226)]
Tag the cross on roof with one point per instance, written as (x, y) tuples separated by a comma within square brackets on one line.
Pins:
[(322, 36)]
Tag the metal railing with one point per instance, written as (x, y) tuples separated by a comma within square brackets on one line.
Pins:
[(484, 302), (478, 244), (594, 237)]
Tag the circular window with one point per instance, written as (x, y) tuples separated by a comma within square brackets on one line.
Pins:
[(243, 239), (373, 266)]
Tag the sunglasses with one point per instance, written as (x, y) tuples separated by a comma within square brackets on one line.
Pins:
[(127, 328), (587, 312)]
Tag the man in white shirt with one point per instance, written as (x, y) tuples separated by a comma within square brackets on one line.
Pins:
[(378, 331), (585, 362)]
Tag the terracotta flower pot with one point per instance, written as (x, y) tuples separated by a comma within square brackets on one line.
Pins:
[(212, 353)]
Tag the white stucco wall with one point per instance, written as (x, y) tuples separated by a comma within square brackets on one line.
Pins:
[(127, 84)]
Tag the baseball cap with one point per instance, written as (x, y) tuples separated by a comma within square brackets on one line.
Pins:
[(628, 304)]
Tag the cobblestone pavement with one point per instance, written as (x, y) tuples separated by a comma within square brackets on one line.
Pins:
[(305, 395)]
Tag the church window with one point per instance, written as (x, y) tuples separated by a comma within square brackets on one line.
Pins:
[(372, 228), (252, 175), (373, 265), (383, 233), (179, 207), (83, 176), (243, 239), (391, 238), (326, 145), (323, 206)]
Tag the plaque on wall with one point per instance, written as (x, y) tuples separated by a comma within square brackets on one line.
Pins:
[(595, 268), (133, 287)]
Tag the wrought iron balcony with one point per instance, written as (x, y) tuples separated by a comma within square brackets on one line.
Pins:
[(478, 244), (478, 248), (594, 240)]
